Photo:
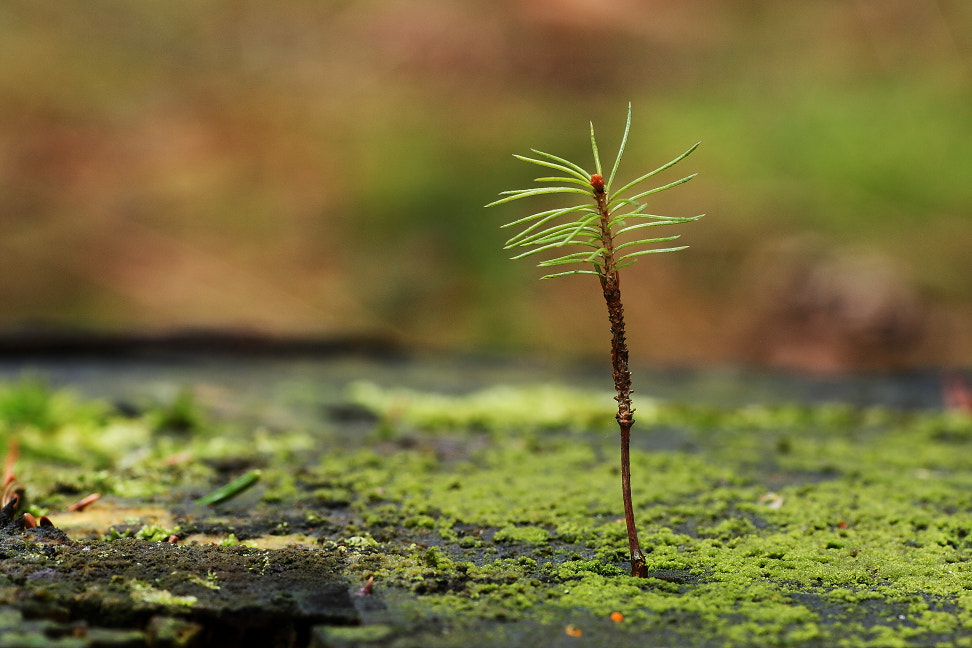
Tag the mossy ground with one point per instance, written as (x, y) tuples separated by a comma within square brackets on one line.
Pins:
[(493, 518)]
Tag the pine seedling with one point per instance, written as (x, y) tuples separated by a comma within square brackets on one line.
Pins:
[(589, 234)]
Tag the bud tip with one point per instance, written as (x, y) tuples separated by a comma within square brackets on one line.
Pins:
[(598, 183)]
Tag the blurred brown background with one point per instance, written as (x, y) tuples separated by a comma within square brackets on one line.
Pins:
[(319, 168)]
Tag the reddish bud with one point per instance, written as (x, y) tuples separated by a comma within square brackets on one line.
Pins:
[(598, 183)]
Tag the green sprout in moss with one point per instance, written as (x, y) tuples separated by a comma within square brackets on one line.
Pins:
[(594, 226)]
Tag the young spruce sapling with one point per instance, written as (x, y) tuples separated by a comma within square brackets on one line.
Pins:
[(591, 230)]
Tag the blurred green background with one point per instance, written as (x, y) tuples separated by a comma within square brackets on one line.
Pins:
[(319, 168)]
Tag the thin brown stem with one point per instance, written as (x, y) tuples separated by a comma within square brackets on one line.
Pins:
[(611, 286)]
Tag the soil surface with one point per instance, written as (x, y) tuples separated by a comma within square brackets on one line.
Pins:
[(396, 501)]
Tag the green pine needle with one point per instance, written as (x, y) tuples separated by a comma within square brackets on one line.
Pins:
[(587, 226)]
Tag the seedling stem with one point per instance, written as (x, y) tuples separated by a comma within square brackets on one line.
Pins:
[(595, 228)]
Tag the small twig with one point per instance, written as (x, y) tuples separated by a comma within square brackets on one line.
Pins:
[(85, 502)]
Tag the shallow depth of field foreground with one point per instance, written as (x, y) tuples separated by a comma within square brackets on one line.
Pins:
[(436, 503)]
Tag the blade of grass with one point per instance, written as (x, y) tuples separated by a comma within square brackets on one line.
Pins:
[(230, 490)]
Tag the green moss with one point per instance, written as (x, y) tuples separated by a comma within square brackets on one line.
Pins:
[(232, 541), (182, 415), (145, 593), (356, 636), (522, 534), (31, 404), (497, 409), (149, 532), (776, 504), (361, 542), (786, 525)]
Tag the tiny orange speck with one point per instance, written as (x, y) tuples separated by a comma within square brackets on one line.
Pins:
[(617, 617), (573, 631)]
